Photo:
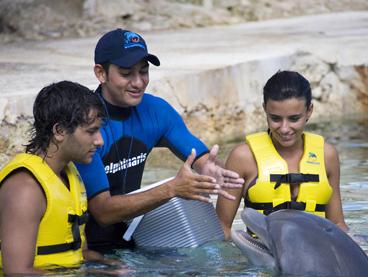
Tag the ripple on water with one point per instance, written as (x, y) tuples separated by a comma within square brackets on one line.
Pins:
[(358, 144), (355, 206), (211, 259), (355, 186)]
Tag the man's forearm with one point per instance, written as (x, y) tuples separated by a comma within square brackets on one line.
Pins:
[(109, 209)]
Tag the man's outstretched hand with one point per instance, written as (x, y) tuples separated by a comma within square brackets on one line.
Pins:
[(225, 178), (191, 185)]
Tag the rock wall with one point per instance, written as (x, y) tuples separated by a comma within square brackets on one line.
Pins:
[(43, 19), (230, 100)]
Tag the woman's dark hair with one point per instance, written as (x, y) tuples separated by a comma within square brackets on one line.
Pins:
[(66, 103), (285, 85)]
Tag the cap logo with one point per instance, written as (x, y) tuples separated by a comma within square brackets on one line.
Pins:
[(133, 40)]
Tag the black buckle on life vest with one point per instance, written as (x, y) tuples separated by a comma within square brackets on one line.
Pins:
[(75, 245), (58, 248), (80, 220), (292, 205), (75, 220), (289, 205), (293, 178)]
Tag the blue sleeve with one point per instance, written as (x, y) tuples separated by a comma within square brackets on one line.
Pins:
[(176, 136), (94, 176)]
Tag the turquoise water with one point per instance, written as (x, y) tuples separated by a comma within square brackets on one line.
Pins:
[(350, 136)]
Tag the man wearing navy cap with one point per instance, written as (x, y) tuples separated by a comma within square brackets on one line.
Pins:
[(137, 122)]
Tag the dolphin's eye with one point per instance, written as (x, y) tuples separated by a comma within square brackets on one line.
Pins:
[(328, 229)]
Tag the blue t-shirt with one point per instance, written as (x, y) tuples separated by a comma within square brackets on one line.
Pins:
[(129, 135)]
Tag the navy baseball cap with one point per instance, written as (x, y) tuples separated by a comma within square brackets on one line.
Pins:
[(123, 48)]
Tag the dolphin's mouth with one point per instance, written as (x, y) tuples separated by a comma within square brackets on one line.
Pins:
[(255, 250), (253, 241)]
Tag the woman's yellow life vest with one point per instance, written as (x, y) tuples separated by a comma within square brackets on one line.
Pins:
[(271, 191), (61, 231)]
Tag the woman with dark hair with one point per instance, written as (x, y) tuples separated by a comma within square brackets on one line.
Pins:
[(285, 168)]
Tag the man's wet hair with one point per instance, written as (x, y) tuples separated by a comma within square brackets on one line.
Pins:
[(65, 103), (286, 85)]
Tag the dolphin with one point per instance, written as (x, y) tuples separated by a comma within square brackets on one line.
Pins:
[(297, 243)]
